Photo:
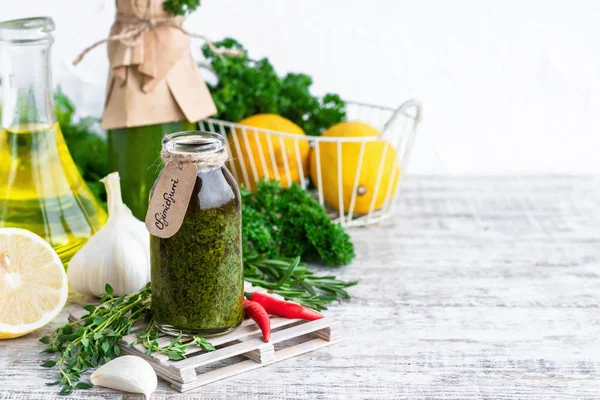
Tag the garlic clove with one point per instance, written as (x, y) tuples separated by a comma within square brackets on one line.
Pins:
[(128, 374)]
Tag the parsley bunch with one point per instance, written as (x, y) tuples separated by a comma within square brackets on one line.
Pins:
[(289, 222), (247, 87)]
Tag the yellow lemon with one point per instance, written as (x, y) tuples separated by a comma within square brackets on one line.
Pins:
[(33, 283), (373, 160), (272, 156)]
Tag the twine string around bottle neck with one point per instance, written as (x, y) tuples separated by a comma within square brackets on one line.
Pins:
[(201, 160), (133, 34)]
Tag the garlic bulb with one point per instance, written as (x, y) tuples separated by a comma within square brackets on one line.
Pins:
[(128, 374), (118, 254)]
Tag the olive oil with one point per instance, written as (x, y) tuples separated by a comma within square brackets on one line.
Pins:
[(41, 189)]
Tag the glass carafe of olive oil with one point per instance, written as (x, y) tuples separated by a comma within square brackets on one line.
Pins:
[(40, 187)]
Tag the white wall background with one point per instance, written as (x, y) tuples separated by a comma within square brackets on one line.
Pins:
[(507, 86)]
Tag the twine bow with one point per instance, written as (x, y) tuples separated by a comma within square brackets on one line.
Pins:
[(133, 34)]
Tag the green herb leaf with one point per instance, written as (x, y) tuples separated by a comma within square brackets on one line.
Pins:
[(204, 344), (66, 390), (108, 289), (53, 383), (89, 308), (49, 364), (84, 385), (175, 356), (105, 347), (45, 340)]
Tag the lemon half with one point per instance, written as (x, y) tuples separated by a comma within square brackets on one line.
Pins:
[(33, 283)]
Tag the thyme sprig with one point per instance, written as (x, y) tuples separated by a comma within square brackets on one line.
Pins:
[(94, 338), (175, 350)]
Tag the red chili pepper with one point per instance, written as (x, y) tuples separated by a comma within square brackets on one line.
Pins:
[(285, 309), (258, 314)]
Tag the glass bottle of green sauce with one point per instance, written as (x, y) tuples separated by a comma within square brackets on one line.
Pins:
[(133, 152), (197, 274)]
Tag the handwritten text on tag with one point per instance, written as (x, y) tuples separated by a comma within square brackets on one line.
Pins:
[(170, 199)]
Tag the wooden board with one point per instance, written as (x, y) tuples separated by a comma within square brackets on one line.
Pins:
[(237, 352)]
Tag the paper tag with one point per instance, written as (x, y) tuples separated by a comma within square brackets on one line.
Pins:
[(170, 200)]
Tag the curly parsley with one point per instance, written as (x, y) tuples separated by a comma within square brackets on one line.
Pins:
[(289, 222)]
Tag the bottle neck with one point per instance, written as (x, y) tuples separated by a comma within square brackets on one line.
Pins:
[(26, 84), (205, 149)]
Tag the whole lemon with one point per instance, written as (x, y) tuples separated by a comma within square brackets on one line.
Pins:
[(270, 153), (372, 159)]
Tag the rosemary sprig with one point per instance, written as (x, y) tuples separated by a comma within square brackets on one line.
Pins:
[(291, 278)]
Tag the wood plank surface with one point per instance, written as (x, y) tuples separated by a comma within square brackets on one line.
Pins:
[(478, 288)]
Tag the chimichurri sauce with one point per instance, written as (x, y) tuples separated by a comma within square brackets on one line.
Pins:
[(197, 274)]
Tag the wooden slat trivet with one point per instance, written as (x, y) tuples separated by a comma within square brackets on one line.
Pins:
[(293, 337)]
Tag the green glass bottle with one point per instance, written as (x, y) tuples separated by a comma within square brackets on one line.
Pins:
[(154, 89)]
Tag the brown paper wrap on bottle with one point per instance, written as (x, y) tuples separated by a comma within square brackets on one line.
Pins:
[(153, 79)]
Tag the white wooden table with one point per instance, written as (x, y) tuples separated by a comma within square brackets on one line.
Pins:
[(479, 288)]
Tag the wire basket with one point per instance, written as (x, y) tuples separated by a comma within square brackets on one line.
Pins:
[(282, 159)]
